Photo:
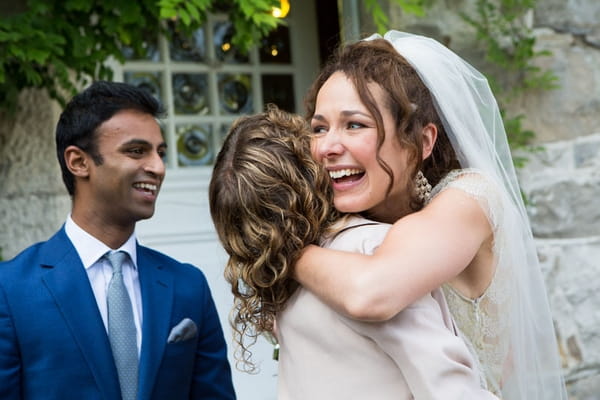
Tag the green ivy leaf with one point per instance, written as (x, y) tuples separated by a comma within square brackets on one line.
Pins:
[(78, 5), (168, 13), (16, 51), (39, 56), (193, 11), (414, 7), (185, 17)]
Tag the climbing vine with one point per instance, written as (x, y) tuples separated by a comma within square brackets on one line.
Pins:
[(58, 45), (505, 33), (380, 18), (503, 30)]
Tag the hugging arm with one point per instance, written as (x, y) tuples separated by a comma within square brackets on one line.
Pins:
[(10, 364), (420, 252), (434, 361)]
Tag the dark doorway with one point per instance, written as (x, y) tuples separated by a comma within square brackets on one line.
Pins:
[(328, 23)]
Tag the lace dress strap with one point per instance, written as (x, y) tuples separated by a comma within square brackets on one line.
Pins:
[(474, 183)]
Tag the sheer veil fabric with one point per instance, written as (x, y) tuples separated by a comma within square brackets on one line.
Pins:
[(473, 123)]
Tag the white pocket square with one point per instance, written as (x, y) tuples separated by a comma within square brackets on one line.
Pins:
[(184, 330)]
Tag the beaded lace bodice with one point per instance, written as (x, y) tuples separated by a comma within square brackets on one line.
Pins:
[(483, 321)]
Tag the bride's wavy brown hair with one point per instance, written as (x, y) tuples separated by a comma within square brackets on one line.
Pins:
[(407, 98), (268, 200)]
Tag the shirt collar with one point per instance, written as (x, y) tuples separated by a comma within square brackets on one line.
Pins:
[(91, 249)]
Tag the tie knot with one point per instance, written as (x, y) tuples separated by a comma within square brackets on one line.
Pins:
[(116, 260)]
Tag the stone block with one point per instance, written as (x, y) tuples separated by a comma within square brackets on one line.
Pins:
[(565, 206), (28, 219), (576, 16), (571, 268), (587, 152), (573, 108)]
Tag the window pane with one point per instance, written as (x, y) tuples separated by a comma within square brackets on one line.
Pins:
[(149, 81), (224, 50), (147, 50), (275, 48), (195, 145), (223, 131), (235, 93), (187, 48), (190, 93), (279, 89)]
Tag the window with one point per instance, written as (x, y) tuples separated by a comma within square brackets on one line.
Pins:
[(205, 83)]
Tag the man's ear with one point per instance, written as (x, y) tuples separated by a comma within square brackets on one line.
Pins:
[(429, 133), (77, 161)]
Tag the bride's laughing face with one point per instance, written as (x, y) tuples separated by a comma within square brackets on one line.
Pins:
[(345, 142)]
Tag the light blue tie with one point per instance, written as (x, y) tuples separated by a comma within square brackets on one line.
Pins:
[(121, 328)]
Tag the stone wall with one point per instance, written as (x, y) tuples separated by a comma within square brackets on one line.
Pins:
[(33, 200), (569, 29), (562, 185)]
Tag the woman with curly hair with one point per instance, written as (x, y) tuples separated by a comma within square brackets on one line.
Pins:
[(268, 200)]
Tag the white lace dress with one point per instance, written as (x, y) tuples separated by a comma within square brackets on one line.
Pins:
[(484, 322)]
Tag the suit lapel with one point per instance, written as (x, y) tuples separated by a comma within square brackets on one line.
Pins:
[(156, 284), (70, 287)]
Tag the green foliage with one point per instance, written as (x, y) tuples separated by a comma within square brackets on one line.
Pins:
[(58, 45), (510, 44), (518, 138), (252, 21), (381, 20)]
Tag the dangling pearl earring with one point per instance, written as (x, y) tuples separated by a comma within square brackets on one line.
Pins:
[(422, 187)]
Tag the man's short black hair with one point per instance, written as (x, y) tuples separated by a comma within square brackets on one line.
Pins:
[(87, 110)]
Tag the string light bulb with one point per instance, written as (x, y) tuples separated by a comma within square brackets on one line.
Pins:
[(283, 9)]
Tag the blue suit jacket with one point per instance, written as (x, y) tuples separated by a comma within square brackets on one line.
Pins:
[(53, 343)]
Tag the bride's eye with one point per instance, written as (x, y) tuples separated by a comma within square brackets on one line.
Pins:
[(319, 129), (355, 125)]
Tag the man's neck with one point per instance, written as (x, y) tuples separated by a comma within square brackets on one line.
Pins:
[(112, 235)]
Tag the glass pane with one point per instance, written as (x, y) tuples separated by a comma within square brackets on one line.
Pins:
[(147, 50), (235, 93), (279, 89), (163, 131), (275, 48), (194, 145), (224, 50), (187, 48), (149, 81), (190, 93), (222, 134)]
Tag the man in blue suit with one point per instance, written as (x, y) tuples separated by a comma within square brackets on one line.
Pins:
[(75, 323)]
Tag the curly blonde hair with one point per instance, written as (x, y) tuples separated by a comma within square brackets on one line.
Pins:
[(268, 200)]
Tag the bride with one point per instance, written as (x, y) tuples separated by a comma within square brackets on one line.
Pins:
[(377, 111)]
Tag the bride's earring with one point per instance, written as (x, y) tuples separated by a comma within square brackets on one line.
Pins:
[(422, 187)]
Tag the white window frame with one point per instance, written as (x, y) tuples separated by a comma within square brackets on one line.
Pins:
[(303, 68)]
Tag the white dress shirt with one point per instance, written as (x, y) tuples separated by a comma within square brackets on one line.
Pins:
[(99, 271)]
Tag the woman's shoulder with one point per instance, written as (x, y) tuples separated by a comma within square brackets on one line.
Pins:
[(355, 233), (473, 182), (477, 185)]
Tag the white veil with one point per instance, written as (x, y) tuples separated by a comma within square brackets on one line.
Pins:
[(474, 126)]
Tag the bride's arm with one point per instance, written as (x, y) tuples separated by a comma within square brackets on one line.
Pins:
[(421, 251)]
